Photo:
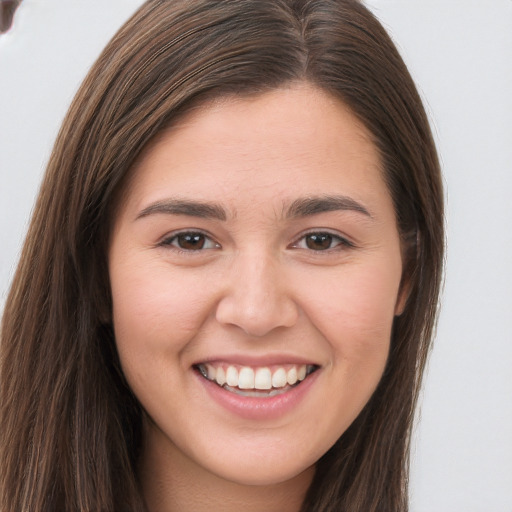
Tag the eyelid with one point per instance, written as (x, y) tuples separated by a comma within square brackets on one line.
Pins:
[(167, 240), (344, 241)]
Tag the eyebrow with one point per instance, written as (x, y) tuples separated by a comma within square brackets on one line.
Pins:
[(304, 207), (203, 210)]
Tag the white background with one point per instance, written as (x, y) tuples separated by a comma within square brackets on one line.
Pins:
[(460, 54)]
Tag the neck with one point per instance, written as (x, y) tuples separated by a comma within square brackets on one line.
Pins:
[(171, 482)]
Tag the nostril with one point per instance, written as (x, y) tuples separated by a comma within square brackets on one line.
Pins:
[(256, 298), (7, 10)]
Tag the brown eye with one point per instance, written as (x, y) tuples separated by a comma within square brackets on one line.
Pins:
[(319, 241), (190, 241)]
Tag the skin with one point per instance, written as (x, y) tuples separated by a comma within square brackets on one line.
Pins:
[(258, 289)]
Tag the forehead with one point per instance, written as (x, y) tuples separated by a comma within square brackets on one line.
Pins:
[(292, 141)]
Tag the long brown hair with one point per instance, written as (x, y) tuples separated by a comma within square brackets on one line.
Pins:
[(70, 427)]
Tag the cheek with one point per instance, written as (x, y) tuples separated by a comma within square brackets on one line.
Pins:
[(354, 310), (155, 309)]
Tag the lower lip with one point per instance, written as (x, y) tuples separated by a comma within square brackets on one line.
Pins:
[(260, 408)]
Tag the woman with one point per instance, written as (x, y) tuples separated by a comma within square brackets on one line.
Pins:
[(230, 281)]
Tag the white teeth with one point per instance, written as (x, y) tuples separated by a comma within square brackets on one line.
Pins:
[(291, 376), (220, 378), (211, 372), (232, 376), (246, 378), (263, 379), (279, 378)]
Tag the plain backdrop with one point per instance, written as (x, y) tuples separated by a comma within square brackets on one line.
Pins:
[(460, 54)]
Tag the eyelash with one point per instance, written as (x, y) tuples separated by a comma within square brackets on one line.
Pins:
[(169, 242), (340, 242)]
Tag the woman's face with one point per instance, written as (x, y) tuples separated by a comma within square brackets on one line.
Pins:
[(256, 244)]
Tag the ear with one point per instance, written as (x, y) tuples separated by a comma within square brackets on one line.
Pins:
[(403, 295), (103, 301), (105, 317), (410, 256)]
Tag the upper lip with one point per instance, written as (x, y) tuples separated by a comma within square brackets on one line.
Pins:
[(257, 361)]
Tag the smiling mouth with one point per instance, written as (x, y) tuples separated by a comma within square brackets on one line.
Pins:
[(257, 382)]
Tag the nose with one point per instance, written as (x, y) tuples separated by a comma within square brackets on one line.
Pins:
[(257, 297)]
